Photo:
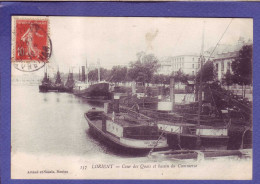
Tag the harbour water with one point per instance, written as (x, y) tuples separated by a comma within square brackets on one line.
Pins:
[(48, 131), (53, 123)]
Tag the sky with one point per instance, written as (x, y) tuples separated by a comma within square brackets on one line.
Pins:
[(117, 40)]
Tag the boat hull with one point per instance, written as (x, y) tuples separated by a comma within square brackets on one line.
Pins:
[(176, 141), (125, 144), (94, 91), (45, 88)]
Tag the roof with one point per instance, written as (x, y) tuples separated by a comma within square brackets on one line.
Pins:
[(227, 51)]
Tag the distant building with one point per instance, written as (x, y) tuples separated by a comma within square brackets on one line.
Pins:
[(28, 79), (165, 66), (225, 54), (188, 64)]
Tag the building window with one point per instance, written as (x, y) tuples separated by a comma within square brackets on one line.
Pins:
[(228, 65), (192, 59), (222, 65), (192, 65), (198, 65), (192, 72), (217, 66)]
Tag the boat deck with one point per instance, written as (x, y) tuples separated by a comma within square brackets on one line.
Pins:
[(184, 124), (126, 120), (176, 124)]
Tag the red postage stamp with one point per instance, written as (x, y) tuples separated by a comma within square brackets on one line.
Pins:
[(31, 44)]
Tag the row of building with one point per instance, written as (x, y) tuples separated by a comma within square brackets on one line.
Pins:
[(222, 57)]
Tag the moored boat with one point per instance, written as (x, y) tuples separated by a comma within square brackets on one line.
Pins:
[(47, 85), (98, 90), (125, 131), (70, 83), (182, 134), (211, 137)]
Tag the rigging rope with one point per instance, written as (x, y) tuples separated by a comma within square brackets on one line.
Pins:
[(221, 38)]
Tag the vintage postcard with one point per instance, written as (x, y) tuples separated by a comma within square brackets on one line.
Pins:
[(131, 98)]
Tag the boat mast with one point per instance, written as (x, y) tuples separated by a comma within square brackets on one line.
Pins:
[(58, 77), (45, 78), (45, 72), (48, 77), (200, 86)]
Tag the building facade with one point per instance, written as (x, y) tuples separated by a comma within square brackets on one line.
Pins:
[(222, 58), (188, 64), (225, 55)]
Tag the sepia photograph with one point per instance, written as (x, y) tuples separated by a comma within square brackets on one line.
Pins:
[(158, 98)]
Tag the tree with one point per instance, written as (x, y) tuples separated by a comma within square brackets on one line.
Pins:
[(118, 74), (179, 76), (242, 67), (160, 79), (144, 68), (191, 77), (208, 72), (228, 79)]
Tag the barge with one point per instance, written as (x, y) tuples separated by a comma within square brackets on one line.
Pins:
[(126, 132)]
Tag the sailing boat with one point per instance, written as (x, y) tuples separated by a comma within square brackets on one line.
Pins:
[(94, 91), (58, 85), (70, 83), (47, 85), (46, 82)]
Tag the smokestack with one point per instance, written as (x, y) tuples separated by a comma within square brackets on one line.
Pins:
[(83, 74)]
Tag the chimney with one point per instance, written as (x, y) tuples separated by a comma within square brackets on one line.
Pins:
[(83, 78)]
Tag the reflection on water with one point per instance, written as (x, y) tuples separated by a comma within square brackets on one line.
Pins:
[(53, 123)]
